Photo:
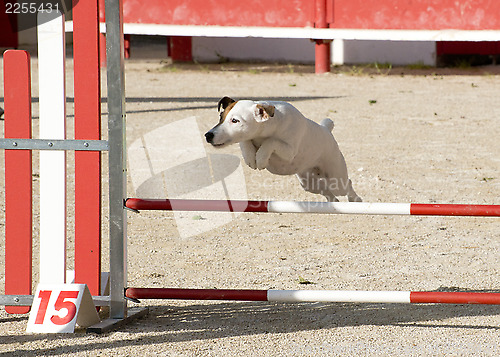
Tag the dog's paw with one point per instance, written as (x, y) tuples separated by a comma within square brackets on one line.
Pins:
[(251, 163), (261, 165), (354, 198)]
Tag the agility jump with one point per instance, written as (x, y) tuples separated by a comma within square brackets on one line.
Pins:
[(407, 297)]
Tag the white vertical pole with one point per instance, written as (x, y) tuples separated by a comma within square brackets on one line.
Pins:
[(338, 52), (52, 97)]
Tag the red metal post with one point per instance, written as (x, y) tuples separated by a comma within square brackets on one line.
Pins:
[(87, 127), (18, 180), (322, 48), (322, 55), (126, 45), (181, 48)]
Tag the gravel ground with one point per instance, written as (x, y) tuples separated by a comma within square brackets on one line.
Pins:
[(408, 135)]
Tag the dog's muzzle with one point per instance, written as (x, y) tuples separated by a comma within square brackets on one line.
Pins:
[(209, 136)]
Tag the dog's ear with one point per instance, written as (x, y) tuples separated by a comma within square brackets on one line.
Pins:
[(224, 102), (263, 112)]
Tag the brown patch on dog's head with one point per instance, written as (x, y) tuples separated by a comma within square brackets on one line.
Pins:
[(227, 104), (224, 102)]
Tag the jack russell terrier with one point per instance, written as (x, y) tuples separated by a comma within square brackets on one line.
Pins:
[(277, 137)]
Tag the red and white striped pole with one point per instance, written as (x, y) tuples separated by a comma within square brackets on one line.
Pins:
[(414, 209), (386, 297)]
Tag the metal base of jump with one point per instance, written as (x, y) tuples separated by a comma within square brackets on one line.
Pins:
[(414, 209), (340, 296), (111, 323)]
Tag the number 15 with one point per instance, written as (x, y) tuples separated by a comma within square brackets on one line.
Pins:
[(60, 304)]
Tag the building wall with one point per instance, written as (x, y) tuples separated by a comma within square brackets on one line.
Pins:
[(211, 49), (302, 51), (394, 52)]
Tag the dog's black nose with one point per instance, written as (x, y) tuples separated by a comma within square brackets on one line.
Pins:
[(209, 136)]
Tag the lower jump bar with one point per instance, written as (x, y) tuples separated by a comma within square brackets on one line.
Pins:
[(315, 207), (387, 297)]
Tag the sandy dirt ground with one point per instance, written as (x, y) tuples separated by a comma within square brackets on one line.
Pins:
[(408, 135)]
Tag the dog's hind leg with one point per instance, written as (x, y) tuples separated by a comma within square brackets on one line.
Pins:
[(330, 197), (352, 196), (314, 183)]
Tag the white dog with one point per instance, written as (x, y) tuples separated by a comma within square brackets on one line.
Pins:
[(277, 137)]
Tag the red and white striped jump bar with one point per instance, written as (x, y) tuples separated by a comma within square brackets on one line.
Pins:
[(386, 297), (415, 209)]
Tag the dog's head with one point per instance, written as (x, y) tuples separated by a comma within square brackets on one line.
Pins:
[(239, 121)]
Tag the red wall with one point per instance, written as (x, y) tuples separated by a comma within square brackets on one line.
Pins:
[(361, 14), (417, 14), (277, 13)]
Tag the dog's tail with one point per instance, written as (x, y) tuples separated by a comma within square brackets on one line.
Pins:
[(327, 123)]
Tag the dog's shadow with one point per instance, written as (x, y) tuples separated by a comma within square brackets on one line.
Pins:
[(189, 177)]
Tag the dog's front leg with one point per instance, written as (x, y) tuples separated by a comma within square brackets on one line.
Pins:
[(273, 146), (248, 151)]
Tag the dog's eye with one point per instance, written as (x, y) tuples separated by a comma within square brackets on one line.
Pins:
[(234, 120)]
